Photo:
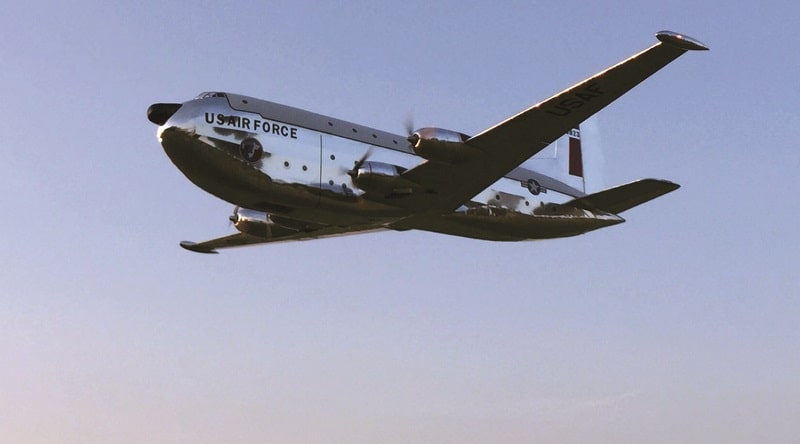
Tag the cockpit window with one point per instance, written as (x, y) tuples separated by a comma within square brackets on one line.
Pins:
[(210, 94)]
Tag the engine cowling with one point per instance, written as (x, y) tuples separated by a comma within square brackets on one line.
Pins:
[(441, 145), (254, 223), (382, 178), (261, 224)]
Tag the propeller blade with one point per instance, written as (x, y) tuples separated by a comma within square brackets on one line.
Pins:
[(413, 137), (360, 162), (409, 124), (235, 216)]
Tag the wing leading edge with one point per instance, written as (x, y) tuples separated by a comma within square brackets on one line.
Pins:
[(546, 121), (511, 142)]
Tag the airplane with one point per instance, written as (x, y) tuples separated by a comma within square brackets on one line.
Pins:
[(296, 175)]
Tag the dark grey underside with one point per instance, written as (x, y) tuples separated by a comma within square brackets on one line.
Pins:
[(240, 184)]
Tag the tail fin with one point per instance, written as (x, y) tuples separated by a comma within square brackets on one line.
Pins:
[(573, 159)]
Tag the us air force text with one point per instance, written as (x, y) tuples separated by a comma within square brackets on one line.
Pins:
[(246, 123)]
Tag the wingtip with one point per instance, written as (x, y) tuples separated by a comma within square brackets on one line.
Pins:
[(668, 183), (681, 41), (192, 246)]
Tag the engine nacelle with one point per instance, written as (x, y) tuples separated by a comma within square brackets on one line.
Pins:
[(382, 178), (441, 145), (261, 224), (254, 223)]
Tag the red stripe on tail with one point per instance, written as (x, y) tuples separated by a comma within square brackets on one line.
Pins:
[(575, 155)]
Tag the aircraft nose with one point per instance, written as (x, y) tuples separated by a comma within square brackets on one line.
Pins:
[(159, 113)]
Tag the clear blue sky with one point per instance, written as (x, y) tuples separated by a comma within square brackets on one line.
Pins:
[(679, 326)]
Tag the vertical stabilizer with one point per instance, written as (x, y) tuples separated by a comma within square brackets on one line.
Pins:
[(563, 160), (574, 159)]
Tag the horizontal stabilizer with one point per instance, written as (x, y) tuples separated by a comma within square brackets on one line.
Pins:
[(624, 197)]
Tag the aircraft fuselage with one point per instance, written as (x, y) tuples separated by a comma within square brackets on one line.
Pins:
[(299, 169)]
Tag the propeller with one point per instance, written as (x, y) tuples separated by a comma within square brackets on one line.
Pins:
[(249, 224), (409, 124), (234, 217), (359, 163), (412, 138)]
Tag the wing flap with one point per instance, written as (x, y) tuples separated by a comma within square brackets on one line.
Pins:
[(624, 197)]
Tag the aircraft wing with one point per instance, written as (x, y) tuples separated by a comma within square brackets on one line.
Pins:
[(233, 240), (276, 234), (509, 143)]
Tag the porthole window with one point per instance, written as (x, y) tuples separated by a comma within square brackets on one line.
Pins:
[(286, 164)]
